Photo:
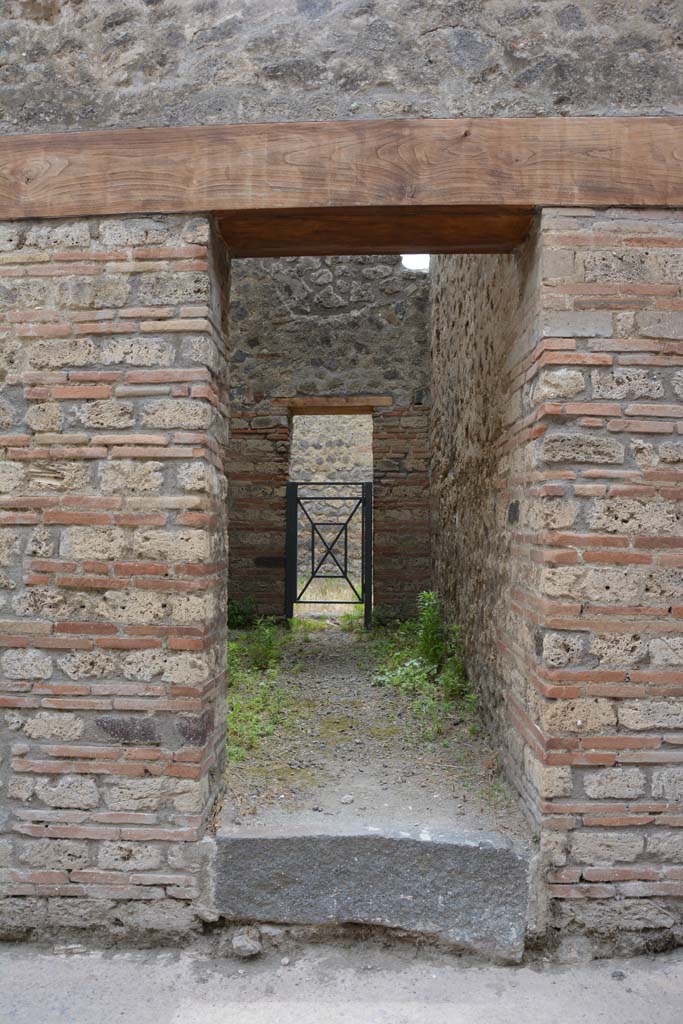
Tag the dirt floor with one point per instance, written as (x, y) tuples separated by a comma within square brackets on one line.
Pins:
[(350, 754)]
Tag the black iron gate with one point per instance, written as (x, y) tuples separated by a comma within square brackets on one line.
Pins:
[(329, 537)]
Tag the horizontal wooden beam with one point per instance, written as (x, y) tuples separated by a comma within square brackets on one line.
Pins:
[(524, 162), (332, 405), (363, 230)]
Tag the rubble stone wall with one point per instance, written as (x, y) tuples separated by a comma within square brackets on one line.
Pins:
[(330, 326), (331, 448), (113, 570), (577, 533), (72, 64)]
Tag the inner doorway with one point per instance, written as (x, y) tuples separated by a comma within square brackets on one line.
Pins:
[(329, 534)]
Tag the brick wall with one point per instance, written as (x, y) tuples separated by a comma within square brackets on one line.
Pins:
[(581, 505), (610, 671), (402, 536), (113, 564), (484, 333)]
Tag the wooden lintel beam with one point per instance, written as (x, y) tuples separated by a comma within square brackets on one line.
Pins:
[(524, 162), (363, 230), (332, 405)]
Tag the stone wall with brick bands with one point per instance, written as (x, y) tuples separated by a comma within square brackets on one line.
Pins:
[(113, 564), (402, 534), (587, 475)]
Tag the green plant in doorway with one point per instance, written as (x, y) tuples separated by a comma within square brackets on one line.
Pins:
[(423, 658), (241, 614), (255, 704)]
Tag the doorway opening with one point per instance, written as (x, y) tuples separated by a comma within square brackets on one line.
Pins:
[(329, 517)]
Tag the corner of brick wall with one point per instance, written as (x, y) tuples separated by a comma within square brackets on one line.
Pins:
[(113, 566), (568, 577)]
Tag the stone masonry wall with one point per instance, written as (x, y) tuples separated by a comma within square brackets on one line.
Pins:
[(331, 448), (71, 64), (594, 682), (331, 326), (485, 324), (113, 562)]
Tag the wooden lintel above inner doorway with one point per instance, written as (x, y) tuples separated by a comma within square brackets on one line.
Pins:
[(468, 183), (332, 405)]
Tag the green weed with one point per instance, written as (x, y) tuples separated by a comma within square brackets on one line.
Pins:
[(255, 705), (304, 627), (241, 614), (353, 620), (423, 658), (263, 645)]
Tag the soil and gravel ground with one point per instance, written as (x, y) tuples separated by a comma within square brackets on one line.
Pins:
[(350, 754)]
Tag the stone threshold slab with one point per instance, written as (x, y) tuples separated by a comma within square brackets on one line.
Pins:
[(469, 890)]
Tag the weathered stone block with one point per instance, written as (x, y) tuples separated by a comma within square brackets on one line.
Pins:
[(57, 854), (651, 714), (182, 413), (581, 448), (52, 725), (107, 412), (12, 475), (614, 783), (69, 791), (66, 234), (133, 351), (549, 780), (26, 663), (560, 649), (580, 715), (125, 856), (665, 845), (573, 324), (551, 513), (667, 783), (594, 847), (660, 325), (632, 515), (671, 451), (44, 416), (125, 476), (88, 664), (561, 383), (93, 542), (626, 382), (618, 648), (666, 650), (175, 546), (136, 794), (115, 232), (129, 728), (466, 889)]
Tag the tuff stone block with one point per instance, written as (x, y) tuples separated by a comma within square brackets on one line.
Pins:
[(606, 847), (615, 783), (581, 448)]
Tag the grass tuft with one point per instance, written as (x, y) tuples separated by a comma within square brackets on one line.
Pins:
[(423, 658)]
